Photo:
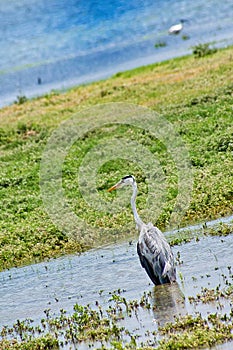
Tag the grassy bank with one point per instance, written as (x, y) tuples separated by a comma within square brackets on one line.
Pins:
[(194, 94)]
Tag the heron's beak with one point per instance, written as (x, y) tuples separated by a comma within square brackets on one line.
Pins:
[(115, 187), (112, 188)]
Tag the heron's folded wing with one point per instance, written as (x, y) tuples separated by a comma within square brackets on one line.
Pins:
[(147, 266)]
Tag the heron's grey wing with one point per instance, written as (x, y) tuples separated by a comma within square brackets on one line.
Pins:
[(164, 263), (157, 252), (164, 267), (146, 265)]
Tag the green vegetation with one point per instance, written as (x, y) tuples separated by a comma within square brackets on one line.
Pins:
[(195, 332), (102, 327), (185, 37), (159, 44), (202, 50), (21, 99), (194, 95)]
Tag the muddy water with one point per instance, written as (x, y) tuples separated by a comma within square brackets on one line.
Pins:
[(59, 284)]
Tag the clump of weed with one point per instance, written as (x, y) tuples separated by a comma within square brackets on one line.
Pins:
[(192, 332), (212, 295), (202, 50), (21, 99), (219, 230), (185, 37), (160, 44)]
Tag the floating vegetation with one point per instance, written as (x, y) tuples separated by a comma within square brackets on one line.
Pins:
[(192, 332), (160, 44), (212, 295), (221, 229), (185, 37), (195, 233)]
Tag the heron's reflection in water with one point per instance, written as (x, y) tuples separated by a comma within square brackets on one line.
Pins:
[(168, 302)]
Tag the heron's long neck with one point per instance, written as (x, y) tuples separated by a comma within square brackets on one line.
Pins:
[(133, 205)]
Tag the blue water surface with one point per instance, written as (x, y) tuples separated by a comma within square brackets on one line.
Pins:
[(56, 44)]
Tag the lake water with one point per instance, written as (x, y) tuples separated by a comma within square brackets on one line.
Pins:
[(58, 284), (57, 44)]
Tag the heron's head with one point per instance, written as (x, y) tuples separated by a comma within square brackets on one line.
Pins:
[(125, 181)]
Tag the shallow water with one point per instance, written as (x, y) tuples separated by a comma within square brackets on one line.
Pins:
[(57, 44), (59, 284)]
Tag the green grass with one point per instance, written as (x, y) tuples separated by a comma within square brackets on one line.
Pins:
[(195, 95)]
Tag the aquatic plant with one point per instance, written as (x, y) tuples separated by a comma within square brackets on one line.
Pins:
[(192, 332), (160, 44)]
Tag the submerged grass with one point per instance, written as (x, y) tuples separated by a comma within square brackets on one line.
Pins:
[(195, 95)]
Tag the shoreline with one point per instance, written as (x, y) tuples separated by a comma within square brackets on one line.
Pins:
[(43, 89), (107, 70)]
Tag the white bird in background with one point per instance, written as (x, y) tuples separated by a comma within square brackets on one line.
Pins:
[(154, 252), (176, 28)]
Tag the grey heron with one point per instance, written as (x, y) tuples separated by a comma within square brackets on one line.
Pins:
[(154, 252)]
